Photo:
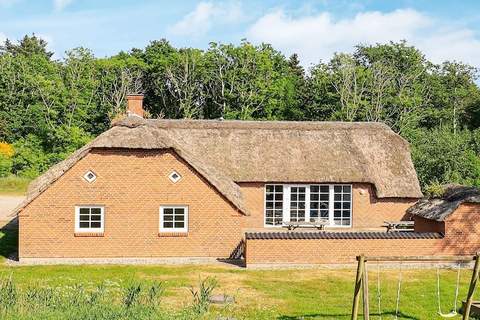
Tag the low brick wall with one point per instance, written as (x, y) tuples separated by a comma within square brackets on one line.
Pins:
[(459, 234), (333, 251)]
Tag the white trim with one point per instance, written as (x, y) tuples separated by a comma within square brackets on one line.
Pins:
[(172, 177), (88, 230), (185, 225), (265, 225), (286, 203), (87, 178)]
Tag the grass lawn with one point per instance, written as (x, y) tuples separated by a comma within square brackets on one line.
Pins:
[(259, 294), (13, 185)]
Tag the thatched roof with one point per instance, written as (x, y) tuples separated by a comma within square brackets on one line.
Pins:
[(226, 152), (439, 208)]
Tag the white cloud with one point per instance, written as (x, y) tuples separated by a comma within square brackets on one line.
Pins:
[(59, 5), (204, 16), (316, 37)]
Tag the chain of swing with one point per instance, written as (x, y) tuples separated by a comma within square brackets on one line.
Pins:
[(450, 314)]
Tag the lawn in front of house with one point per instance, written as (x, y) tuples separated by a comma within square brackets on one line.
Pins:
[(313, 293), (13, 185)]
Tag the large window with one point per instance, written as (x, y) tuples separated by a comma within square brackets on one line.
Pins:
[(174, 219), (89, 219), (273, 205), (307, 203)]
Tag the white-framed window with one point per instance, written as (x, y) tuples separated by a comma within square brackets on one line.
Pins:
[(304, 202), (89, 218), (90, 176), (174, 176), (273, 204), (174, 219)]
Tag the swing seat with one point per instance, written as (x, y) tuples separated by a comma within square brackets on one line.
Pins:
[(451, 314)]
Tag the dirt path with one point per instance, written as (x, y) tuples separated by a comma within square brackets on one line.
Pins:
[(7, 204)]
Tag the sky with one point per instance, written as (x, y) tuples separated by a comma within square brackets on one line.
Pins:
[(314, 29)]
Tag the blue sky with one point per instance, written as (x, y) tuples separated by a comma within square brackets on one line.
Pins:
[(315, 29)]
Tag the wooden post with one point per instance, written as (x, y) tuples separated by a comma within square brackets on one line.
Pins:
[(366, 308), (471, 289), (358, 285)]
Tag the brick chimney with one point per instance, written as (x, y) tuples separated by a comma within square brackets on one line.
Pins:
[(135, 104)]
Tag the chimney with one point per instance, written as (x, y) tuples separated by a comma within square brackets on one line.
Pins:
[(135, 105)]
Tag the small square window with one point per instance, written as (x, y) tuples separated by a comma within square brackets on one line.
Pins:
[(174, 219), (89, 219), (90, 176), (174, 177)]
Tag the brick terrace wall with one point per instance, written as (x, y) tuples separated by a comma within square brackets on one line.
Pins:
[(368, 211), (132, 185), (462, 237)]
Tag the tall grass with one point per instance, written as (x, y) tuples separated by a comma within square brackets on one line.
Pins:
[(13, 185), (138, 300)]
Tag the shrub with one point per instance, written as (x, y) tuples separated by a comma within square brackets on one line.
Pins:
[(6, 165)]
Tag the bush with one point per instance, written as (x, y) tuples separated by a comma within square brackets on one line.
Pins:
[(6, 165)]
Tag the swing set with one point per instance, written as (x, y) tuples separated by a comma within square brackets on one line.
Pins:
[(361, 283)]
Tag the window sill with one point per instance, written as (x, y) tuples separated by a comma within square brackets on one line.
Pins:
[(88, 234), (173, 234)]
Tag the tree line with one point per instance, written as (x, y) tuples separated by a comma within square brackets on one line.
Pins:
[(49, 107)]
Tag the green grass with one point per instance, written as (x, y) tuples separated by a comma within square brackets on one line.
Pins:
[(13, 185), (260, 294)]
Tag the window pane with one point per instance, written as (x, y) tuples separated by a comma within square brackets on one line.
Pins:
[(84, 217), (168, 224), (346, 205), (346, 197), (179, 224), (337, 197), (96, 224), (96, 211), (269, 205), (180, 218), (314, 189), (168, 211), (324, 189), (167, 218), (278, 188), (84, 211), (179, 211), (269, 196), (96, 218), (346, 189), (279, 196), (337, 189), (84, 225), (270, 188)]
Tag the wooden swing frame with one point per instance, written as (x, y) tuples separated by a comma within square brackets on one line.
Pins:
[(361, 279)]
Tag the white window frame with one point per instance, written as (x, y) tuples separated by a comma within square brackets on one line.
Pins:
[(286, 203), (185, 226), (89, 230)]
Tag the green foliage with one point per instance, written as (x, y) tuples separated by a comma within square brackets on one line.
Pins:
[(442, 156), (6, 165), (202, 295), (50, 108)]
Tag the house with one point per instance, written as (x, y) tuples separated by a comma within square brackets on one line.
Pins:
[(210, 189)]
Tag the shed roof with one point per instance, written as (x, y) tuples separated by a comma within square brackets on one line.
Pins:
[(228, 152), (439, 208)]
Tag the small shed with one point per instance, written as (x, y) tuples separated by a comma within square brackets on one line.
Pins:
[(456, 210)]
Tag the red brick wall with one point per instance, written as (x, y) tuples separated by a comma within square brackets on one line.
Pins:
[(367, 211), (462, 237), (132, 185)]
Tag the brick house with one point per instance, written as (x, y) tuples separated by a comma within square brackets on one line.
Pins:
[(191, 189)]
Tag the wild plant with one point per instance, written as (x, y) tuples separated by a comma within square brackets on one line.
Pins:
[(201, 296), (132, 295), (8, 293)]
